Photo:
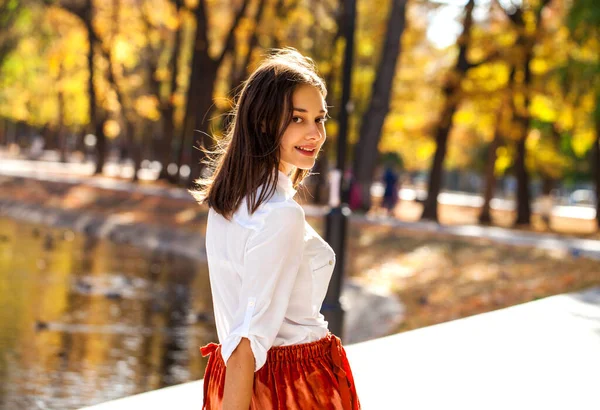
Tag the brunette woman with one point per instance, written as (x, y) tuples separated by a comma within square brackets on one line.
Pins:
[(269, 269)]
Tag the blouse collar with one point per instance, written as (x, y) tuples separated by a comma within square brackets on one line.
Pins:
[(284, 183)]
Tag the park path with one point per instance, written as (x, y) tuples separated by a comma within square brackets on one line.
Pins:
[(539, 355), (77, 173)]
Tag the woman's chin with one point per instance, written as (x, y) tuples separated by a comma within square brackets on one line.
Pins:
[(306, 165)]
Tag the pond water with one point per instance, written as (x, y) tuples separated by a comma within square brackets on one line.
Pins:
[(84, 321)]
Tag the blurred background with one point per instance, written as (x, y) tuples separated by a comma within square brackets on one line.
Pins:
[(473, 169)]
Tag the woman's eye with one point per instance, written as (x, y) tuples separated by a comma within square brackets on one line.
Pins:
[(297, 120), (321, 120)]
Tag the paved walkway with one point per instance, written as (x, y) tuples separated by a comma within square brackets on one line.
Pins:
[(577, 247), (77, 173), (539, 355)]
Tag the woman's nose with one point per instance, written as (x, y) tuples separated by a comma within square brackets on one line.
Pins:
[(315, 132)]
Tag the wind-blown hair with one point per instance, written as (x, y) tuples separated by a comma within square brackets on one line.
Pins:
[(248, 155)]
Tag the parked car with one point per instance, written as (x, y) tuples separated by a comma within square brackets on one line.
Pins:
[(585, 197)]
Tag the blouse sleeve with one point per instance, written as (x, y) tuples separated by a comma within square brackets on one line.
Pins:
[(272, 260)]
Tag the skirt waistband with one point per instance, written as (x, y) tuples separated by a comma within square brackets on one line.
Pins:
[(319, 348)]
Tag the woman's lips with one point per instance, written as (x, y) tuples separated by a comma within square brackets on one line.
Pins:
[(306, 153)]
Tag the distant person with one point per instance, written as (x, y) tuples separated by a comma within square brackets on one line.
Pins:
[(354, 193), (37, 147), (269, 270), (546, 204), (390, 193)]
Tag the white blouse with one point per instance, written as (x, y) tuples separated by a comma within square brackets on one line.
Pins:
[(269, 273)]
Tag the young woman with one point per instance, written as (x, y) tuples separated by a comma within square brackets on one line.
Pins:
[(269, 269)]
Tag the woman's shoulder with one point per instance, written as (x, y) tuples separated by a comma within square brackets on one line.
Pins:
[(270, 212)]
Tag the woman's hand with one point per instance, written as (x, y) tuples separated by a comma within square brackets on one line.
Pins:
[(239, 378)]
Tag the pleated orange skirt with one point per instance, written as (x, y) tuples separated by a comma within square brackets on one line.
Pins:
[(314, 375)]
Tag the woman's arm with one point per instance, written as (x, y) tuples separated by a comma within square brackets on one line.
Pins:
[(239, 378)]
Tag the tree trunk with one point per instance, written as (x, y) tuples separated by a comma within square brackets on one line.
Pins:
[(134, 148), (523, 120), (100, 148), (202, 119), (322, 166), (96, 124), (451, 100), (241, 72), (485, 216), (168, 109), (366, 151), (62, 135), (526, 41), (523, 206), (596, 170), (164, 145), (430, 207), (200, 93), (199, 102), (3, 128), (85, 12), (321, 169)]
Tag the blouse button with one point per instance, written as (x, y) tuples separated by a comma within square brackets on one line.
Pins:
[(331, 261)]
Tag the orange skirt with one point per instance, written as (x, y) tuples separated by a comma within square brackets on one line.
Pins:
[(314, 375)]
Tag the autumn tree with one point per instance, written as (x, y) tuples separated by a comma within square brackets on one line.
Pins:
[(9, 14), (84, 10), (582, 76), (203, 74), (451, 90), (526, 19), (366, 150)]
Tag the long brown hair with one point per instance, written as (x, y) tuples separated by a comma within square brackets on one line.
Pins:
[(248, 155)]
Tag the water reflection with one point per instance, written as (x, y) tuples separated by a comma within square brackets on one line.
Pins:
[(85, 321)]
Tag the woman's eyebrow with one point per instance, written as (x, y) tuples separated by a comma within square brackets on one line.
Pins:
[(304, 110)]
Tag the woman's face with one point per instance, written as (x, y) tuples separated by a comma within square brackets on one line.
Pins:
[(305, 135)]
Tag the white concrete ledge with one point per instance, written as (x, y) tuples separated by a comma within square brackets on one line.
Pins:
[(539, 355)]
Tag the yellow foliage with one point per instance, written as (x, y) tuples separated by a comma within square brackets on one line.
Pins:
[(539, 66), (162, 73), (506, 38), (588, 102), (582, 141), (112, 129), (530, 23), (54, 64), (332, 128), (394, 122), (463, 139), (366, 48), (415, 149), (464, 117), (147, 106), (504, 158), (588, 52), (566, 117), (178, 100), (519, 102), (28, 46), (306, 43), (533, 139), (425, 150), (543, 108), (123, 52)]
